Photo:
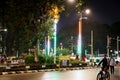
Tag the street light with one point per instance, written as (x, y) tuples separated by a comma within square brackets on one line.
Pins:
[(55, 39), (118, 46), (79, 45), (87, 11), (56, 19), (3, 30), (79, 41)]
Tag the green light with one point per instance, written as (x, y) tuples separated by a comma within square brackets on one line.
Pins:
[(79, 46), (38, 47), (55, 39), (48, 46)]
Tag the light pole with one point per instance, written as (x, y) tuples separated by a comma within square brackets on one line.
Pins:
[(55, 39), (56, 19), (79, 43), (118, 46), (47, 45), (108, 46), (92, 43)]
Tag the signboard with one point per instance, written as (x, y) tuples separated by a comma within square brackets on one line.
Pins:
[(64, 58)]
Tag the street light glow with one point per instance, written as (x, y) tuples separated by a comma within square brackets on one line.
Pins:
[(87, 11), (71, 1), (5, 29)]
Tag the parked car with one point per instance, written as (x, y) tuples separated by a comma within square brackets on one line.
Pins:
[(13, 61)]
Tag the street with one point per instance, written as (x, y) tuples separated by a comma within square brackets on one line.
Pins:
[(85, 74)]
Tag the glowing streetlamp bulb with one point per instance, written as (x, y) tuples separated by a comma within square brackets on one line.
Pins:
[(87, 11), (71, 1)]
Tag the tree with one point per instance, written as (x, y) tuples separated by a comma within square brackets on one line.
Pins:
[(21, 19), (27, 21), (115, 29)]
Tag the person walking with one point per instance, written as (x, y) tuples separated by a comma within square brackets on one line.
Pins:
[(112, 64)]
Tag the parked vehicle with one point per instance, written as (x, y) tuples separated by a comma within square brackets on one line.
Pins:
[(13, 61)]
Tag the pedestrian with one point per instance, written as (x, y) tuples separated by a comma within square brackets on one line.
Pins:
[(112, 64)]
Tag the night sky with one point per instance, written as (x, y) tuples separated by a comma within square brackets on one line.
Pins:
[(105, 11), (102, 11)]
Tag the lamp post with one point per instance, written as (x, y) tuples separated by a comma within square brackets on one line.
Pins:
[(118, 46), (55, 39), (79, 43), (92, 43), (56, 19), (108, 45)]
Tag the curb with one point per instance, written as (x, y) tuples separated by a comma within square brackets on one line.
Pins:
[(45, 70)]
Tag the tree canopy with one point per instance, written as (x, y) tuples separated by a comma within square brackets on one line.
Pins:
[(26, 19)]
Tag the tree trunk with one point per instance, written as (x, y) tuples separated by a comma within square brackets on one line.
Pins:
[(36, 52)]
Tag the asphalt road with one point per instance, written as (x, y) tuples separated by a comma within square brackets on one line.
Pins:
[(85, 74)]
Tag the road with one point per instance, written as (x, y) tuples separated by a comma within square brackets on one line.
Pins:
[(85, 74)]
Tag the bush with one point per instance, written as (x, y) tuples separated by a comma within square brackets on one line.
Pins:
[(2, 69), (57, 60), (29, 60), (49, 60), (63, 51), (41, 59), (51, 66), (77, 63)]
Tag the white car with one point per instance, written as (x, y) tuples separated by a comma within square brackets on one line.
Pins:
[(117, 59)]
